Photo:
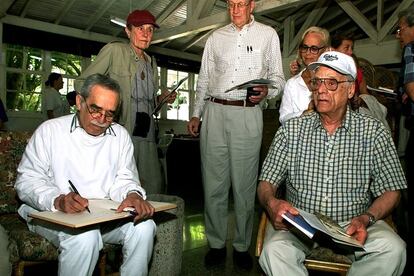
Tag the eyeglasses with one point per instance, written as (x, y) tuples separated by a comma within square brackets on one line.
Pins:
[(313, 49), (97, 113), (400, 29), (240, 5), (330, 83)]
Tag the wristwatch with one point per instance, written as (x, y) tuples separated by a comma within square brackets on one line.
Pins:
[(371, 218)]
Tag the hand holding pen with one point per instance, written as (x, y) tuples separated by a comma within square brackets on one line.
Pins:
[(72, 202)]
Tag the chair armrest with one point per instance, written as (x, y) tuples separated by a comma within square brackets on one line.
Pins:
[(261, 234)]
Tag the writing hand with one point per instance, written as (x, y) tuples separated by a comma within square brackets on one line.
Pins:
[(71, 203)]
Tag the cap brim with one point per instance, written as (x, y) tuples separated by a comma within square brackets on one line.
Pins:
[(315, 65), (143, 23)]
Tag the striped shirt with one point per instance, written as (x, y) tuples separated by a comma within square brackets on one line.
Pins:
[(233, 56), (338, 175), (407, 72)]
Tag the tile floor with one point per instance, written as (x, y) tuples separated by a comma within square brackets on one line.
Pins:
[(195, 245)]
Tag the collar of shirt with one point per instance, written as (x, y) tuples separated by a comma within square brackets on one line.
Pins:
[(346, 122), (136, 57), (245, 27), (75, 124)]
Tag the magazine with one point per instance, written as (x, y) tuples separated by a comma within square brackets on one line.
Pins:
[(165, 99), (312, 225), (253, 83)]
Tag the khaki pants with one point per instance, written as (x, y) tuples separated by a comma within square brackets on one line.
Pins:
[(230, 143)]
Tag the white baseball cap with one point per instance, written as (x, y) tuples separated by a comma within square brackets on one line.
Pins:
[(340, 62)]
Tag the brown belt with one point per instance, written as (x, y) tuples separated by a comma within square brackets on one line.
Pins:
[(235, 103)]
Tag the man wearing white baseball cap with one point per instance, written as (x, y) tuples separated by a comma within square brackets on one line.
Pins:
[(337, 162)]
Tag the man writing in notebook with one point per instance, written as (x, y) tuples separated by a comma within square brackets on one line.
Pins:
[(339, 163), (96, 155)]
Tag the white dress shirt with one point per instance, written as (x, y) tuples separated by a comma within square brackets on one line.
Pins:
[(53, 100), (295, 99), (60, 150), (233, 56)]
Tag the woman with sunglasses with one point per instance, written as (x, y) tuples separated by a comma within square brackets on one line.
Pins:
[(297, 95)]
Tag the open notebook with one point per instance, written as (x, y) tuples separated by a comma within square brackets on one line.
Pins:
[(102, 210)]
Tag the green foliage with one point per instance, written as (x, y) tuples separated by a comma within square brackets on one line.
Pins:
[(178, 101), (24, 85)]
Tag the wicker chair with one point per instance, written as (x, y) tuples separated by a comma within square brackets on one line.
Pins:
[(385, 78), (369, 71)]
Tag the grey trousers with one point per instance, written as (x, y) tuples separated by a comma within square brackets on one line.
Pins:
[(385, 253), (149, 167), (230, 143)]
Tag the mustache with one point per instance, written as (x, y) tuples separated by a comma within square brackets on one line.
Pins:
[(96, 123)]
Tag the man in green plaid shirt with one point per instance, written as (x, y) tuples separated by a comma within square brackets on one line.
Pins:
[(339, 163)]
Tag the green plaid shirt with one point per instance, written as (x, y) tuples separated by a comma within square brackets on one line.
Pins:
[(337, 175)]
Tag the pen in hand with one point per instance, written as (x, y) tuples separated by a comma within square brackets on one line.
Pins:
[(76, 192)]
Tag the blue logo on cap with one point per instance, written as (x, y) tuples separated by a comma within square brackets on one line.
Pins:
[(329, 57)]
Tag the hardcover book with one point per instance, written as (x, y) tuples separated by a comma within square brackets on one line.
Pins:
[(102, 210)]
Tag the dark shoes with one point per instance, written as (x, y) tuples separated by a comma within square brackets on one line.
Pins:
[(215, 257), (242, 260)]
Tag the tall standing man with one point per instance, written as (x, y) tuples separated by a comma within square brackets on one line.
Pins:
[(128, 64), (405, 34), (231, 132)]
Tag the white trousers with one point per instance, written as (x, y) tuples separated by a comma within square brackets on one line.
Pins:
[(230, 142), (385, 253), (79, 248)]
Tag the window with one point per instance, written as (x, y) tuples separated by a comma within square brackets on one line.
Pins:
[(23, 78), (25, 75), (179, 110), (69, 66)]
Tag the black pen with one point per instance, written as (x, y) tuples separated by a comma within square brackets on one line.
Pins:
[(76, 192)]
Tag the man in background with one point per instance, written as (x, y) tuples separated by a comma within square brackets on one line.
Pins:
[(405, 35), (231, 132)]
